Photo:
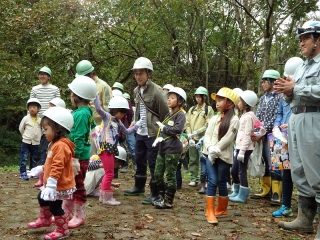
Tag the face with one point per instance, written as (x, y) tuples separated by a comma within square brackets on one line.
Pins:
[(220, 103), (199, 99), (33, 110), (44, 78), (72, 96), (165, 91), (240, 105), (117, 162), (48, 132), (119, 115), (141, 76), (172, 100), (306, 44), (266, 86)]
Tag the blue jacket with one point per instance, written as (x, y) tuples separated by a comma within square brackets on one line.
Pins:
[(284, 113)]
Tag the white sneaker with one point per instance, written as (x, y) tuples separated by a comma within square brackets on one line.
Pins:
[(112, 202), (192, 184)]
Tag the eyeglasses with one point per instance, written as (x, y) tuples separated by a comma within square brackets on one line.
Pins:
[(304, 38)]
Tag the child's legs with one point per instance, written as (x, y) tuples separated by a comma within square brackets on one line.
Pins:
[(243, 169), (194, 164), (287, 187), (222, 172), (235, 169), (203, 169), (34, 152), (212, 178), (55, 206), (178, 174), (171, 161), (80, 195), (24, 152), (131, 140), (43, 149), (159, 170), (108, 166)]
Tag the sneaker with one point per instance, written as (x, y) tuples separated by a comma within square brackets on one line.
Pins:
[(192, 184), (283, 212), (24, 176), (124, 170), (112, 202)]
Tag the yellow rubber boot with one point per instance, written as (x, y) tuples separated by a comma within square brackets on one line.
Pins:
[(266, 187), (211, 218), (276, 192)]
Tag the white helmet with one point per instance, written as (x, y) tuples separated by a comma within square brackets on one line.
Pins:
[(179, 91), (308, 27), (168, 86), (84, 87), (116, 92), (237, 91), (58, 102), (249, 97), (33, 100), (142, 63), (122, 154), (61, 116), (118, 102), (291, 65)]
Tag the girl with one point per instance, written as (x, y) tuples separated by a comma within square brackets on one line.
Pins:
[(108, 140), (244, 146), (198, 117), (218, 149), (58, 177), (170, 148), (83, 89)]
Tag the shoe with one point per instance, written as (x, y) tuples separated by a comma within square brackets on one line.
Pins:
[(193, 184), (138, 189), (221, 208), (242, 196), (283, 212), (202, 189), (236, 189), (44, 219), (154, 193), (107, 198), (266, 189), (168, 200), (61, 231), (40, 181), (276, 187), (79, 215), (124, 169), (24, 176), (210, 215)]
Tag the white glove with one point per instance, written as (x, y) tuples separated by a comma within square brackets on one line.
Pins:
[(192, 143), (158, 139), (161, 126), (75, 166), (195, 133), (36, 171), (214, 151), (50, 192), (240, 157), (139, 123), (189, 136), (279, 135), (212, 160)]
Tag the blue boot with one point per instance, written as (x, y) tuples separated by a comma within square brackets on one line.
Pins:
[(236, 188), (242, 196)]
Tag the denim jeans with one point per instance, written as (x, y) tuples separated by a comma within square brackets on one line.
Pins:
[(217, 177), (24, 153), (203, 169), (131, 141)]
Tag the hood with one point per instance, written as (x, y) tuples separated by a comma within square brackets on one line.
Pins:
[(256, 122), (69, 143)]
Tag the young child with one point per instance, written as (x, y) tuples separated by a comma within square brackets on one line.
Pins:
[(59, 182), (244, 146), (31, 134), (83, 89), (109, 139), (170, 148), (218, 147)]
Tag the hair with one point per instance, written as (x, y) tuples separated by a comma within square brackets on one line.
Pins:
[(78, 99), (247, 107), (113, 111), (34, 104), (60, 131), (203, 98), (179, 98), (225, 122)]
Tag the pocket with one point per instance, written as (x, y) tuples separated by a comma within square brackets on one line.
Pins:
[(312, 78)]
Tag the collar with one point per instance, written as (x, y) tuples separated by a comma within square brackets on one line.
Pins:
[(272, 94), (146, 86)]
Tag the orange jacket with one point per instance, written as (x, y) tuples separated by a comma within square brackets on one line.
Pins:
[(58, 164)]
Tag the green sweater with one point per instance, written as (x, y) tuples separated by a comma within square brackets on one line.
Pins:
[(80, 132)]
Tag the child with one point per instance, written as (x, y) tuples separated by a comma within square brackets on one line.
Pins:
[(59, 182), (244, 146), (109, 139), (170, 148), (31, 134), (83, 89), (203, 167), (218, 147)]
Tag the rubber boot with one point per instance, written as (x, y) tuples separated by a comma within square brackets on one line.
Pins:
[(107, 198), (154, 193), (168, 200), (44, 219), (236, 189), (40, 181), (307, 207), (202, 188), (221, 209), (276, 192), (79, 215), (61, 230), (115, 172), (138, 189), (68, 206), (266, 188), (242, 196), (317, 237), (161, 193), (210, 215)]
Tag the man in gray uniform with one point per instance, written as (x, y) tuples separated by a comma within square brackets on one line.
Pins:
[(303, 93)]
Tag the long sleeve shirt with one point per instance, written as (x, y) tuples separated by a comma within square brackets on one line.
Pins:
[(30, 130), (284, 113)]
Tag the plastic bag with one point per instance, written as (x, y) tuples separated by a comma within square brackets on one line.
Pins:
[(256, 165)]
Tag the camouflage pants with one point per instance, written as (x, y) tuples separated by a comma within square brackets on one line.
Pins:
[(166, 164)]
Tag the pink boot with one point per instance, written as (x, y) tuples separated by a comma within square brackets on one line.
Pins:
[(79, 215), (67, 207), (44, 219), (40, 181), (107, 198), (61, 231)]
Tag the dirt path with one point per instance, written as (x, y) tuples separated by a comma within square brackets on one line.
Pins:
[(132, 220)]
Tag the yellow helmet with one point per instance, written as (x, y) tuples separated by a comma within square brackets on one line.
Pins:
[(227, 93)]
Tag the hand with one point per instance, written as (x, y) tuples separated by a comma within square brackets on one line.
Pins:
[(212, 160), (284, 86), (189, 136), (139, 123), (284, 126), (50, 192), (214, 151), (36, 171), (158, 139), (161, 126), (75, 166), (192, 143), (240, 157)]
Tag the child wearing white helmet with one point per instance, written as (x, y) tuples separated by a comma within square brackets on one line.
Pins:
[(31, 134), (57, 102), (83, 89), (108, 141), (170, 148), (244, 146), (59, 183)]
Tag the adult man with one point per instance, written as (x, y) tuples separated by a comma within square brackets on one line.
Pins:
[(44, 92), (151, 106), (303, 93), (267, 113)]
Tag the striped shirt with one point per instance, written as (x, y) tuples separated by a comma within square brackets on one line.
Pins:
[(94, 165), (44, 93), (143, 130)]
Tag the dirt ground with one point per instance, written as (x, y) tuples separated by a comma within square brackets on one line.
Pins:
[(132, 220)]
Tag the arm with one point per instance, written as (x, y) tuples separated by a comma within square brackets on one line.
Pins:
[(209, 132), (208, 117), (94, 165), (58, 160), (104, 115), (188, 124), (278, 120), (57, 93), (230, 135), (32, 94), (246, 138), (178, 126), (22, 125), (127, 131)]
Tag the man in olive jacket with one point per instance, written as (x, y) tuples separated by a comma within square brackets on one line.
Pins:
[(151, 106)]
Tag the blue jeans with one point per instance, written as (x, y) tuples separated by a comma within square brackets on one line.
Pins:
[(131, 140), (217, 177), (203, 169), (43, 148), (24, 153)]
